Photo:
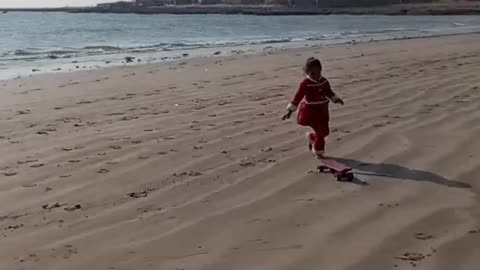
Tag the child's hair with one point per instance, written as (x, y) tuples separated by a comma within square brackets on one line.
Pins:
[(311, 63)]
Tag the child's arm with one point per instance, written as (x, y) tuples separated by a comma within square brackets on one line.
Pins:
[(332, 96), (292, 106)]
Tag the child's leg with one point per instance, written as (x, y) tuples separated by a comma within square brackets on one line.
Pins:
[(310, 137), (321, 132), (319, 145)]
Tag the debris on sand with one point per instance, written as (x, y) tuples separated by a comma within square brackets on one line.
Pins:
[(411, 256)]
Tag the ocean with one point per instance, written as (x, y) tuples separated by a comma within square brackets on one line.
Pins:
[(58, 42)]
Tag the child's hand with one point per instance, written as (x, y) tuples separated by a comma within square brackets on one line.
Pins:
[(287, 115), (339, 101)]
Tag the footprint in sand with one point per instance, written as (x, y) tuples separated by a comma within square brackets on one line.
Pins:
[(83, 102), (72, 208), (52, 206), (115, 114), (246, 164), (138, 195), (27, 161), (474, 231), (222, 103), (423, 236), (389, 205), (42, 132), (10, 173), (37, 165), (128, 118), (27, 111), (411, 256), (190, 173), (65, 252)]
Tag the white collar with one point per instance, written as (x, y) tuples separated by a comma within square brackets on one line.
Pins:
[(308, 77)]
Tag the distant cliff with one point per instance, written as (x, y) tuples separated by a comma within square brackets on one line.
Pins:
[(280, 7), (149, 4)]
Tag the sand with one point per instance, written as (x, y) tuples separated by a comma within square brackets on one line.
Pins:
[(188, 165)]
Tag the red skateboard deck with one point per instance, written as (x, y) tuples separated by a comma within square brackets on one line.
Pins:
[(339, 170)]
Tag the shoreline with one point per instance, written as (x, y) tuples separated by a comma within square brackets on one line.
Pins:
[(434, 9), (206, 53)]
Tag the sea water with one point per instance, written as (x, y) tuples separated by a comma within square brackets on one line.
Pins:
[(57, 42)]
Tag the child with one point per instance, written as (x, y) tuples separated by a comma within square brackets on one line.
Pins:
[(312, 99)]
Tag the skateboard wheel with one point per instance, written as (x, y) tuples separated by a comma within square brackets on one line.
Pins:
[(323, 169), (345, 177)]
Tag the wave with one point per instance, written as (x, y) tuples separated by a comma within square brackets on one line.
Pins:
[(23, 52), (102, 47), (33, 54)]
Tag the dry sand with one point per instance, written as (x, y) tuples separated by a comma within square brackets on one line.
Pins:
[(188, 166)]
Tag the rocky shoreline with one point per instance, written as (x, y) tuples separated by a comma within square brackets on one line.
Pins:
[(468, 8)]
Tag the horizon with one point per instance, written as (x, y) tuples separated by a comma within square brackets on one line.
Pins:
[(50, 3)]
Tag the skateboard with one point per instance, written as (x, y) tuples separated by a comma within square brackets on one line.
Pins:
[(341, 172)]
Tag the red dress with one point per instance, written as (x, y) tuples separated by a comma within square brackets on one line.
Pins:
[(312, 98)]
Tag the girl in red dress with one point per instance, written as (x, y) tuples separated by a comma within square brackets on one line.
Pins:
[(312, 100)]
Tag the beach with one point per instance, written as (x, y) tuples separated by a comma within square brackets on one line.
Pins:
[(187, 164)]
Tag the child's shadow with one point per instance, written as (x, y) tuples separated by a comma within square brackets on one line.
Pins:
[(398, 172)]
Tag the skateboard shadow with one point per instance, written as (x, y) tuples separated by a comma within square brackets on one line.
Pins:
[(399, 172)]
